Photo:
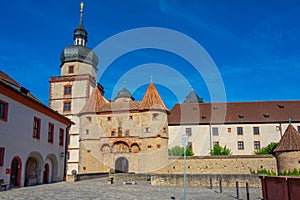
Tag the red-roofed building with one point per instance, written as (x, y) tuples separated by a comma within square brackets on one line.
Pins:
[(33, 137)]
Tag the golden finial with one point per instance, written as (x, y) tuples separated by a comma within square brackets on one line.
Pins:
[(81, 7)]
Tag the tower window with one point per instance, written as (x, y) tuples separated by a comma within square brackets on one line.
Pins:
[(112, 134), (147, 130), (229, 130), (67, 106), (108, 119), (127, 133), (68, 90), (130, 117), (71, 69)]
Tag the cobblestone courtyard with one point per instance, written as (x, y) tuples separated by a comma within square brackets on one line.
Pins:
[(99, 189)]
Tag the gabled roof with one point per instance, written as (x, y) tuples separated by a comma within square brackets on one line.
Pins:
[(152, 99), (12, 89), (95, 102), (290, 141), (236, 112)]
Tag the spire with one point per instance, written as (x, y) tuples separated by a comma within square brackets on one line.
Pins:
[(152, 99), (80, 34)]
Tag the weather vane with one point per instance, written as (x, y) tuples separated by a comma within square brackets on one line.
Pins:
[(81, 7)]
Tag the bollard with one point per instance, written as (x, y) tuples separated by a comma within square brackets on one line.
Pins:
[(247, 191), (210, 183), (237, 190), (221, 185)]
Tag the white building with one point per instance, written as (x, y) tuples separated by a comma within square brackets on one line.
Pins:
[(32, 137), (242, 126)]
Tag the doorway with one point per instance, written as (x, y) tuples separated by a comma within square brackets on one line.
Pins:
[(46, 174), (15, 176), (121, 165)]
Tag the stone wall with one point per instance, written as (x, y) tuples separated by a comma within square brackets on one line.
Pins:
[(203, 180), (220, 164)]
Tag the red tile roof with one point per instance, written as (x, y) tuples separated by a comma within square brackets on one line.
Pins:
[(152, 99), (290, 141), (241, 112)]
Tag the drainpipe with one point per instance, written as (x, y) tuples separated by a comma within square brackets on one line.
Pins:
[(280, 126), (210, 143)]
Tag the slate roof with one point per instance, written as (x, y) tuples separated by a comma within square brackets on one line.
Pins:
[(192, 97), (236, 112), (290, 141)]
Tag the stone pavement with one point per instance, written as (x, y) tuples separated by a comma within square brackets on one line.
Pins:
[(99, 189)]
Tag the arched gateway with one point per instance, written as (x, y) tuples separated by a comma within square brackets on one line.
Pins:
[(121, 165)]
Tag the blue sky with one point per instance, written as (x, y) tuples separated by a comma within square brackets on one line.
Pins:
[(255, 44)]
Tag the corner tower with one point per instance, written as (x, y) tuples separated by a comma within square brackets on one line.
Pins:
[(70, 91)]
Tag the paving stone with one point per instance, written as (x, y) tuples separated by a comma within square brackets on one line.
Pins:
[(99, 189)]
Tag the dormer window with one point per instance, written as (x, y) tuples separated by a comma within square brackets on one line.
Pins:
[(266, 116), (71, 69), (241, 116), (280, 106)]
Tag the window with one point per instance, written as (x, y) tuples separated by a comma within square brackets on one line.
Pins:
[(112, 134), (298, 129), (130, 117), (240, 145), (3, 110), (147, 130), (87, 131), (229, 130), (278, 128), (68, 90), (256, 130), (215, 131), (2, 149), (256, 144), (50, 132), (127, 133), (61, 137), (67, 106), (68, 155), (71, 69), (216, 143), (240, 130), (188, 131), (190, 144), (36, 127), (108, 119)]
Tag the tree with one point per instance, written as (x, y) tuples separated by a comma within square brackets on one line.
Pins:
[(220, 151), (179, 151), (266, 150)]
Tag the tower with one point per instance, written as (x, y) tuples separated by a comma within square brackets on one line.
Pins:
[(70, 91)]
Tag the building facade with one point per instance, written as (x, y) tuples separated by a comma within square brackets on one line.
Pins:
[(32, 144), (123, 134), (242, 126)]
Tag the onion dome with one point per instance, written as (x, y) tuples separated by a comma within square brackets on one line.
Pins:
[(79, 52), (124, 93)]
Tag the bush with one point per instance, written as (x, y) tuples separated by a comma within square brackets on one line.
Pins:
[(266, 150), (179, 151), (220, 151), (263, 171), (295, 172)]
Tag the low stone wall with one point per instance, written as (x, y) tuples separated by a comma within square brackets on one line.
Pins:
[(81, 177), (130, 177), (242, 164), (203, 180)]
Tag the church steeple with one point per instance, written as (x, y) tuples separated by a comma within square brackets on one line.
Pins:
[(80, 34)]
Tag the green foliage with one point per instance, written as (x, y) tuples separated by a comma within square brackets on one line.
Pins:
[(295, 172), (220, 151), (263, 171), (266, 150), (179, 151)]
